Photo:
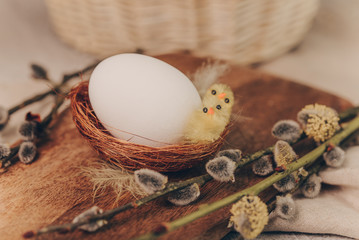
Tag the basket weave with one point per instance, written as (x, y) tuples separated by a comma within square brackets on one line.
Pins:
[(134, 156), (240, 31)]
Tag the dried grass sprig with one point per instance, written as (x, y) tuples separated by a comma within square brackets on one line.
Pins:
[(104, 175)]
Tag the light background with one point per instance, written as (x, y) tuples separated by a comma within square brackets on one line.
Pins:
[(328, 58)]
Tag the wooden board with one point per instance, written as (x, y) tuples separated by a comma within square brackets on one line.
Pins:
[(52, 189)]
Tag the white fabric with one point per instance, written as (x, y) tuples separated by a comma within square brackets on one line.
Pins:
[(335, 210)]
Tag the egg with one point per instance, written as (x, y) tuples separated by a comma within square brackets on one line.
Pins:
[(142, 99)]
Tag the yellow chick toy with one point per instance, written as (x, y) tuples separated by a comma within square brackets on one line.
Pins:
[(223, 95), (208, 123)]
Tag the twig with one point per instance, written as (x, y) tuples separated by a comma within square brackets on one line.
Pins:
[(315, 168), (271, 204), (108, 215), (257, 188), (55, 89), (349, 113), (171, 187), (200, 180), (29, 101), (67, 77), (4, 163), (48, 119)]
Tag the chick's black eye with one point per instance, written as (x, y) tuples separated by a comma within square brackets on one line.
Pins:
[(214, 92), (205, 110), (226, 100), (218, 107)]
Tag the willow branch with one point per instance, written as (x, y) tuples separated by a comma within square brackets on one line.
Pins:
[(56, 89), (171, 187), (315, 168), (44, 124), (66, 78), (349, 113), (271, 204), (48, 119), (29, 101), (308, 159)]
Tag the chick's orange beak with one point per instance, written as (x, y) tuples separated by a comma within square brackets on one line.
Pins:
[(222, 95), (210, 111)]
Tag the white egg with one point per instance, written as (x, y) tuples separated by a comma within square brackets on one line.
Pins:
[(142, 99)]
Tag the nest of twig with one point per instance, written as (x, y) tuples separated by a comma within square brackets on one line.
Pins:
[(129, 155)]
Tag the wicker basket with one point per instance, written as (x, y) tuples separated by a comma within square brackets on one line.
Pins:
[(240, 31)]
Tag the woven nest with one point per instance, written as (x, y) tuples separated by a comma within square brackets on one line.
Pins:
[(129, 155)]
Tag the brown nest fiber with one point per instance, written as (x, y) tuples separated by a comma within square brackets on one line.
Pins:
[(133, 156)]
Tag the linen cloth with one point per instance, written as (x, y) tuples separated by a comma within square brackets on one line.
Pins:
[(334, 214), (335, 210)]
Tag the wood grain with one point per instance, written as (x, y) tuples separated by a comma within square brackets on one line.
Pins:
[(52, 189)]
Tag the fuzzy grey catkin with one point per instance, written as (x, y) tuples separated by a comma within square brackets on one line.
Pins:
[(39, 72), (4, 150), (263, 166), (104, 175), (221, 169), (285, 184), (287, 130), (185, 196), (233, 154), (4, 117), (285, 207), (27, 152), (312, 186), (90, 227), (149, 180), (335, 157), (28, 130)]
